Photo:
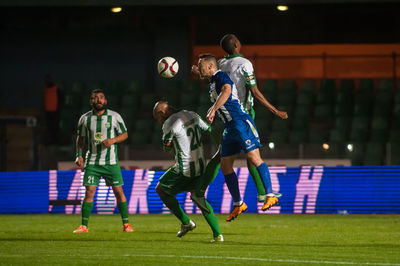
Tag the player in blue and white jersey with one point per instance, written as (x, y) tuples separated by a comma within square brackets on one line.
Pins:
[(240, 133)]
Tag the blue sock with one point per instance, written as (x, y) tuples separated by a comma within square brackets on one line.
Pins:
[(265, 177), (233, 186)]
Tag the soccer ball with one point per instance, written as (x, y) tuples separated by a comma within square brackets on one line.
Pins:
[(168, 67)]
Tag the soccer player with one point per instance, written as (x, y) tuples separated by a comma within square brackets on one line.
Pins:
[(102, 129), (182, 132), (240, 133)]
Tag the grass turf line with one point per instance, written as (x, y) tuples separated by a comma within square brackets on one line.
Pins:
[(251, 239)]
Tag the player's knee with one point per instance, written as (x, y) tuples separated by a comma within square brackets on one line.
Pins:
[(160, 190)]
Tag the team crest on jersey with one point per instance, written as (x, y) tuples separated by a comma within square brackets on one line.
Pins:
[(98, 136), (248, 142), (250, 78), (108, 125)]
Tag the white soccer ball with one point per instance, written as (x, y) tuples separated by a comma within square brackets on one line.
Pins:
[(168, 67)]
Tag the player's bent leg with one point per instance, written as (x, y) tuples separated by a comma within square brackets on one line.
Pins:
[(172, 203), (257, 181), (212, 220), (122, 205)]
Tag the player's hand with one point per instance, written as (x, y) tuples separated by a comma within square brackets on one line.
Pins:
[(210, 115), (108, 142), (282, 114), (195, 70), (79, 162)]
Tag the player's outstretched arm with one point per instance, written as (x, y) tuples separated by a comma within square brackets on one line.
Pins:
[(118, 139), (260, 98), (226, 91)]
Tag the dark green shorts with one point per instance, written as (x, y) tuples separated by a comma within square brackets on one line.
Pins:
[(111, 173), (174, 183)]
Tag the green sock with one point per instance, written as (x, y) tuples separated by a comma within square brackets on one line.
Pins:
[(209, 175), (173, 204), (123, 209), (86, 211), (257, 179), (212, 220)]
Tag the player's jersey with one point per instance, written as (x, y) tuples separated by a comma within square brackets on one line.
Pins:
[(184, 129), (241, 72), (96, 129), (231, 109)]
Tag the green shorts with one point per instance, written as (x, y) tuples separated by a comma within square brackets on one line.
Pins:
[(174, 183), (111, 173)]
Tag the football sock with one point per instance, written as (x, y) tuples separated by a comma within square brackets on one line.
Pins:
[(212, 220), (123, 209), (86, 211), (265, 177), (173, 204), (210, 173), (256, 179), (233, 186)]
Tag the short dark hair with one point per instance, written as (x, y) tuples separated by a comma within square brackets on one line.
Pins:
[(228, 43), (208, 58), (97, 91)]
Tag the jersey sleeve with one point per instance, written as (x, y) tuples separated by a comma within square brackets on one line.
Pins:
[(248, 73), (203, 124), (167, 135), (82, 126), (121, 128), (223, 79)]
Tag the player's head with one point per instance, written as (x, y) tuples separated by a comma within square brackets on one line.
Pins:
[(231, 44), (98, 100), (162, 110), (207, 65)]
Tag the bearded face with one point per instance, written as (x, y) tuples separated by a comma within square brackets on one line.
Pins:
[(98, 101)]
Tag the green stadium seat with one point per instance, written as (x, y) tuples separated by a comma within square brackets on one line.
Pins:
[(358, 135), (117, 88), (270, 87), (77, 87), (395, 136), (325, 97), (363, 98), (343, 110), (286, 99), (129, 115), (362, 109), (386, 85), (366, 86), (320, 136), (263, 114), (192, 87), (138, 139), (304, 98), (300, 124), (374, 153), (360, 122), (189, 100), (381, 109), (280, 124), (343, 97), (395, 153), (323, 111), (129, 101), (173, 99), (289, 86), (347, 85), (98, 85), (156, 139), (356, 154), (134, 88), (383, 97), (395, 122), (280, 136), (337, 136), (147, 102), (298, 136), (396, 110), (328, 84), (343, 123), (143, 125), (113, 101), (303, 111), (379, 130), (72, 100), (309, 86), (286, 108), (397, 98)]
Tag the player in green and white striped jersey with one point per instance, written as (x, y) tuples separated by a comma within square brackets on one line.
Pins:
[(102, 129), (182, 131)]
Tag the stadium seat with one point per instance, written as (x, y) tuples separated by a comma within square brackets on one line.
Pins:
[(288, 86), (202, 110), (72, 100), (397, 97), (381, 109), (270, 87), (189, 100), (379, 130), (343, 123), (98, 85), (347, 85), (117, 87), (134, 88), (343, 110), (360, 122), (192, 87), (358, 135), (138, 139), (297, 136), (300, 123), (129, 101), (395, 136), (309, 86), (374, 153), (395, 153), (323, 111), (147, 102), (366, 86), (396, 110), (303, 111), (113, 101), (395, 122), (77, 87), (337, 136), (156, 138), (386, 85), (279, 124), (356, 154), (143, 125), (304, 98), (286, 98), (204, 99), (344, 97), (328, 84), (362, 109), (280, 136), (320, 136)]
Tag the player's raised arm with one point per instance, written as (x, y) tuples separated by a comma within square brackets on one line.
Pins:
[(260, 98), (226, 91)]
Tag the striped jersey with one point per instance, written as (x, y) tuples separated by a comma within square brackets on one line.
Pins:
[(241, 72), (184, 129), (231, 109), (97, 128)]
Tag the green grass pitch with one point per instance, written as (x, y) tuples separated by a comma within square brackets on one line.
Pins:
[(249, 240)]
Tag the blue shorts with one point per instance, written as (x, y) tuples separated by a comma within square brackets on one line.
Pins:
[(240, 135)]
